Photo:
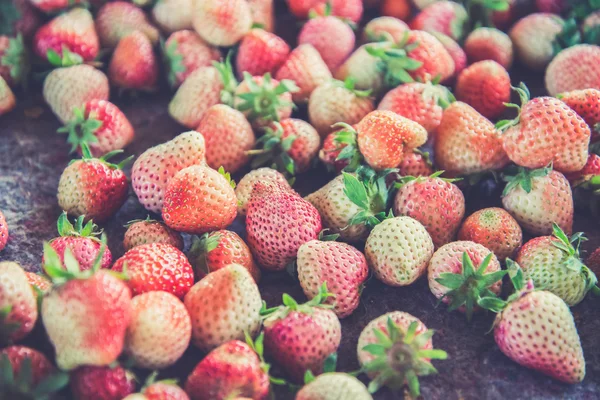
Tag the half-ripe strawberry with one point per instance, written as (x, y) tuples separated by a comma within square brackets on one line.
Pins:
[(39, 283), (331, 384), (223, 22), (225, 305), (260, 52), (117, 19), (199, 199), (590, 169), (156, 166), (14, 63), (586, 103), (455, 50), (3, 231), (228, 137), (18, 305), (244, 187), (306, 68), (160, 390), (532, 38), (364, 68), (319, 31), (263, 14), (446, 17), (173, 15), (416, 163), (149, 231), (101, 383), (7, 97), (133, 64), (384, 29), (489, 44), (574, 68), (346, 9)]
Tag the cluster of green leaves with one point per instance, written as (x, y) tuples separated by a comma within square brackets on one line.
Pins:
[(263, 101), (16, 58), (198, 253), (273, 148), (480, 12), (21, 385), (524, 178), (66, 228), (394, 61), (289, 304), (172, 60), (524, 95), (227, 79)]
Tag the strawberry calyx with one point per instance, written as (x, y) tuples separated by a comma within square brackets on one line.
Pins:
[(524, 178), (521, 288), (350, 84), (275, 149), (258, 347), (401, 357), (81, 129), (135, 221), (21, 385), (329, 366), (227, 176), (437, 174), (15, 57), (394, 61), (198, 253), (345, 138), (66, 59), (480, 12), (327, 11), (570, 35), (172, 60), (324, 237), (66, 228), (467, 287), (524, 96), (86, 156), (7, 328), (151, 380), (289, 304), (441, 95), (228, 79)]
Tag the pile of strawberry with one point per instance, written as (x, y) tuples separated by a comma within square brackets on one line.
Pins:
[(377, 105)]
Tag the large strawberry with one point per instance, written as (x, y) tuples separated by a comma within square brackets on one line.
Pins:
[(574, 68), (173, 15), (101, 383), (156, 166), (14, 63), (260, 52), (332, 384), (586, 103), (489, 44), (223, 306), (446, 17), (149, 231), (18, 306), (117, 19), (7, 97), (532, 37), (223, 22), (133, 64), (243, 189)]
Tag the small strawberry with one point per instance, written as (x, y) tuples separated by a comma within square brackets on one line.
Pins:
[(68, 88), (345, 9), (228, 136), (147, 231), (216, 250), (591, 168), (489, 44), (159, 331), (223, 306), (574, 68), (273, 207), (156, 266), (332, 148), (14, 63), (398, 250), (133, 64), (156, 166), (538, 198), (173, 15), (3, 231), (159, 390), (7, 97), (532, 38), (184, 52), (485, 86), (244, 187), (306, 68), (384, 29), (101, 383), (495, 229), (446, 17), (455, 50), (300, 337), (336, 101), (93, 187), (586, 103), (329, 385), (18, 306), (117, 19), (223, 22), (395, 349), (199, 199), (260, 52), (415, 163), (263, 14), (400, 9), (40, 283), (364, 68)]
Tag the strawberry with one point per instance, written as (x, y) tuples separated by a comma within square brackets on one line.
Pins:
[(346, 9), (591, 168), (400, 9), (260, 52), (273, 207), (331, 384), (489, 44), (216, 250), (534, 140), (535, 328), (223, 306), (342, 267), (3, 231), (300, 337), (81, 241), (231, 370), (384, 29), (538, 198), (332, 148), (7, 98), (156, 166), (53, 6), (93, 187), (133, 64), (291, 144), (244, 187), (78, 339), (586, 103), (446, 17), (318, 32), (415, 163), (460, 273), (455, 50), (40, 283), (435, 202), (335, 101), (118, 19), (66, 89), (263, 14), (395, 348), (223, 22), (532, 38), (466, 142), (184, 52), (593, 261), (398, 250), (364, 68), (419, 102), (228, 137), (101, 383), (14, 63), (159, 331), (18, 306), (552, 6), (147, 231), (156, 266), (574, 69), (485, 86), (199, 199), (495, 229), (306, 68), (553, 262), (162, 390), (173, 15), (73, 30)]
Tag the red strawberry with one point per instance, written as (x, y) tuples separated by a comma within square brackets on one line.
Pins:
[(173, 15), (586, 103), (228, 137), (532, 38), (244, 187), (263, 13), (364, 68), (485, 86), (347, 9), (73, 30), (3, 231), (400, 9), (446, 17), (117, 19), (223, 22), (214, 251), (415, 163), (156, 166), (199, 199), (101, 383), (495, 229), (318, 31), (383, 29), (274, 207), (149, 231), (574, 68), (156, 266), (159, 331), (300, 337), (184, 52), (161, 390), (502, 19), (7, 98), (331, 150), (455, 50), (18, 306), (66, 89), (133, 64), (591, 167), (593, 261), (260, 52), (14, 63), (93, 187), (225, 305), (306, 68), (489, 44)]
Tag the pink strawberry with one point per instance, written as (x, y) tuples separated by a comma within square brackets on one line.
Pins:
[(18, 306), (260, 52), (117, 19), (318, 31), (101, 383), (347, 9), (489, 44), (147, 231), (586, 103), (161, 390), (52, 6), (415, 163), (455, 50), (133, 64), (383, 29), (173, 15), (332, 148), (574, 69), (244, 187), (532, 38), (306, 68), (263, 14), (446, 17), (223, 22), (14, 63), (332, 384), (7, 98), (591, 168)]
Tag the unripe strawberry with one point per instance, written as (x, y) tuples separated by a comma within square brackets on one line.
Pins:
[(146, 231), (574, 68), (306, 68), (364, 68), (173, 15), (489, 44), (319, 31), (382, 29), (7, 97), (331, 384), (117, 19), (18, 306), (223, 22), (532, 37), (244, 187), (263, 14)]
